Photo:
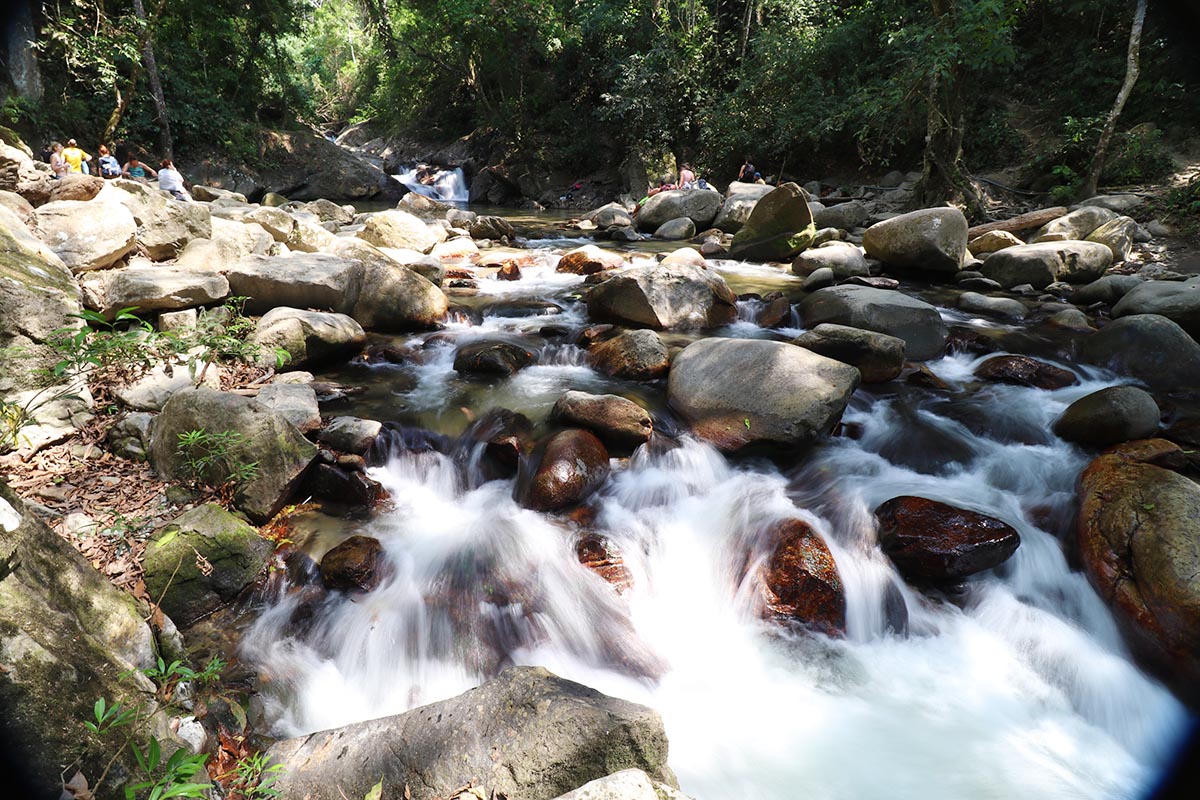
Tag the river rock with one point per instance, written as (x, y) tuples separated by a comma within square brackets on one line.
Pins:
[(664, 297), (1106, 289), (309, 237), (150, 288), (329, 211), (392, 297), (274, 221), (1074, 225), (457, 249), (297, 280), (800, 580), (928, 240), (573, 465), (628, 784), (1025, 371), (395, 228), (295, 402), (18, 205), (1042, 264), (617, 421), (676, 229), (740, 200), (1137, 540), (734, 392), (353, 565), (882, 310), (608, 216), (588, 260), (877, 356), (1109, 416), (68, 637), (637, 355), (151, 390), (233, 548), (75, 186), (933, 542), (1117, 203), (821, 278), (602, 557), (86, 235), (493, 357), (844, 261), (687, 256), (1117, 235), (491, 227), (1178, 301), (779, 227), (1071, 319), (993, 242), (208, 193), (343, 486), (698, 205), (308, 337), (1148, 347), (843, 216), (350, 434), (527, 734), (281, 452), (164, 224), (992, 306)]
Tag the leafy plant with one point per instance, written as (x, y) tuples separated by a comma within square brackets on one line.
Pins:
[(175, 779), (208, 453), (108, 717), (226, 334), (255, 777)]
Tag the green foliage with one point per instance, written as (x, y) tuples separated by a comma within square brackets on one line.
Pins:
[(107, 717), (174, 779), (210, 458), (256, 777)]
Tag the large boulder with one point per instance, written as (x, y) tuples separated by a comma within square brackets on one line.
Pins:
[(1074, 225), (76, 186), (1117, 235), (928, 240), (234, 552), (740, 199), (843, 216), (296, 280), (844, 261), (308, 337), (228, 242), (68, 637), (390, 297), (1148, 347), (779, 227), (1106, 289), (698, 205), (992, 242), (882, 310), (264, 438), (491, 227), (150, 288), (664, 297), (274, 221), (87, 235), (616, 420), (1043, 264), (165, 225), (608, 216), (526, 734), (395, 228), (676, 229), (877, 356), (1137, 539), (1109, 416), (329, 211), (638, 355), (735, 392), (933, 542), (1178, 301), (800, 581)]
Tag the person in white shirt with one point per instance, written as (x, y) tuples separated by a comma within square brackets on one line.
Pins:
[(171, 181)]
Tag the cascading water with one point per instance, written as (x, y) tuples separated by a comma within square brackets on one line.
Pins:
[(1019, 687), (446, 185)]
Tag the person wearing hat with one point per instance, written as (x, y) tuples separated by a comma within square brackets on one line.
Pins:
[(75, 157)]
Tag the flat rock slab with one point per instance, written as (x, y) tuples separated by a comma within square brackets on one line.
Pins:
[(882, 310)]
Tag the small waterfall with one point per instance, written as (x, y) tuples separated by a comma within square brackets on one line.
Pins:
[(446, 185)]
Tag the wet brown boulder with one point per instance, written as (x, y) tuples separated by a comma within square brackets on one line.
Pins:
[(348, 487), (1025, 371), (775, 313), (1109, 416), (588, 260), (509, 271), (637, 355), (495, 357), (506, 436), (616, 420), (932, 542), (353, 566), (1137, 539), (800, 581), (573, 465), (601, 556)]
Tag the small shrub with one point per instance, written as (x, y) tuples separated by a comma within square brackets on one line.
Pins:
[(207, 454)]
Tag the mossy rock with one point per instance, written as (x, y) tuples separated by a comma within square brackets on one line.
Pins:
[(230, 546)]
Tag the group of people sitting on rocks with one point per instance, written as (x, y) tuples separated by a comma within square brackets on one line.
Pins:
[(73, 160), (748, 174)]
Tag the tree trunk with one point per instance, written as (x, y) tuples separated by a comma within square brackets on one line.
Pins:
[(943, 177), (746, 30), (22, 60), (160, 101), (1132, 67)]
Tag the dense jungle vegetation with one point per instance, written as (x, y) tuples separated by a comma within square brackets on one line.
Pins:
[(800, 84)]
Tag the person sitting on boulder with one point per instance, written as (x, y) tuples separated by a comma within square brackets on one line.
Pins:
[(687, 178), (758, 178), (137, 170), (109, 166), (169, 180), (75, 157), (747, 173), (58, 164)]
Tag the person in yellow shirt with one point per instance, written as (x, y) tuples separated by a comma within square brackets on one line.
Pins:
[(75, 157)]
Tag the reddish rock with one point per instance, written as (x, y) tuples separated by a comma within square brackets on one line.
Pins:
[(509, 271), (800, 581), (573, 465), (588, 260), (76, 187), (1025, 371), (923, 377), (616, 420), (775, 313), (932, 542), (595, 333), (1158, 452), (355, 565), (599, 555), (459, 273), (638, 355)]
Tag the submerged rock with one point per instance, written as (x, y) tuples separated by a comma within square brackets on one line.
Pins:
[(933, 542), (574, 463), (353, 565), (599, 555), (1025, 371), (800, 580), (527, 733)]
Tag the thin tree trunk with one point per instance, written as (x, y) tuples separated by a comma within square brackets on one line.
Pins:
[(1132, 68), (160, 101), (746, 30), (943, 178), (119, 108)]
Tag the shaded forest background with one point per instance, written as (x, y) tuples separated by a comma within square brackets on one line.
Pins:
[(801, 85)]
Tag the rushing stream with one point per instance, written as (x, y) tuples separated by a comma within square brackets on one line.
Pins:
[(1016, 687)]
